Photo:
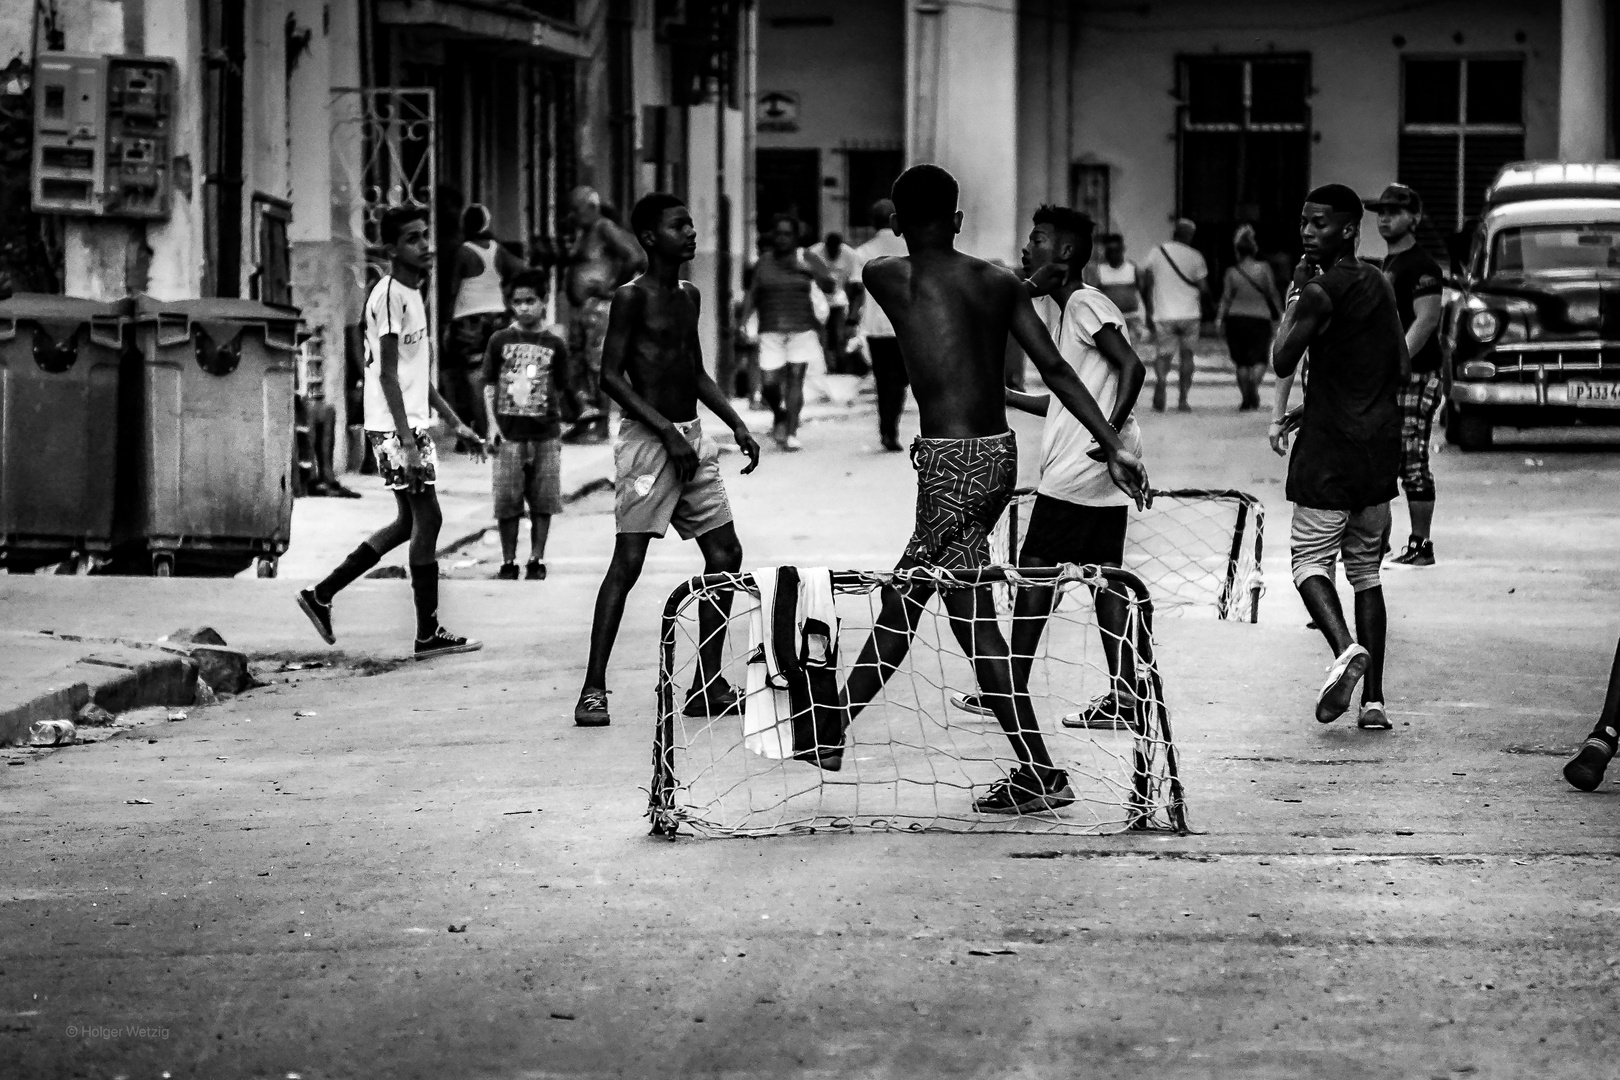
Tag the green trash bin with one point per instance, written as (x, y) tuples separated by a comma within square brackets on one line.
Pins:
[(59, 359), (215, 489)]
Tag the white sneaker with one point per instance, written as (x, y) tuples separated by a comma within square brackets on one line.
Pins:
[(792, 443), (1373, 717), (1343, 675)]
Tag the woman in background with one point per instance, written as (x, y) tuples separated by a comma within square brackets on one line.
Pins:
[(1248, 314)]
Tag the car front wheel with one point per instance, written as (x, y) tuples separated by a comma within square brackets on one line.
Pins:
[(1467, 429)]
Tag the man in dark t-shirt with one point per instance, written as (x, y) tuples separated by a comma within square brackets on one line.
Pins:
[(1417, 281), (522, 364), (1341, 476)]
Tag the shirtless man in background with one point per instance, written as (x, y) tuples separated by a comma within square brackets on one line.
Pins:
[(602, 257), (952, 316)]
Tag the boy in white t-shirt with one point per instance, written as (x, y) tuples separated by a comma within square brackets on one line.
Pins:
[(399, 391), (1079, 515)]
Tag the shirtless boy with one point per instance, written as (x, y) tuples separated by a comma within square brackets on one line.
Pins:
[(668, 472), (952, 314), (601, 259)]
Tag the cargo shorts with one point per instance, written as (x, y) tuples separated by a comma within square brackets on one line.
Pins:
[(1319, 537), (648, 495)]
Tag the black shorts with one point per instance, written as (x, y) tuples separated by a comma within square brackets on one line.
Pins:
[(1066, 532)]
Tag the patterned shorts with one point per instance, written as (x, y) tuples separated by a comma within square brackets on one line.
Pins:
[(391, 458), (1419, 398), (963, 485)]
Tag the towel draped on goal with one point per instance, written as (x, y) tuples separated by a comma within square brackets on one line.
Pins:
[(791, 693)]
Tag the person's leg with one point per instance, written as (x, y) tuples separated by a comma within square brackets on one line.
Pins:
[(508, 527), (834, 345), (722, 554), (1371, 623), (539, 534), (1314, 542), (793, 397), (1186, 344), (978, 632), (1585, 770), (1363, 549), (1419, 400), (889, 373), (1163, 353), (771, 391), (542, 494), (426, 519), (886, 648), (1031, 609), (629, 553)]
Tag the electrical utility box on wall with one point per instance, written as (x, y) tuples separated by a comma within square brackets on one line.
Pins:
[(103, 136)]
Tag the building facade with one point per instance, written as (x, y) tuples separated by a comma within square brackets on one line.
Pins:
[(1143, 112), (296, 123)]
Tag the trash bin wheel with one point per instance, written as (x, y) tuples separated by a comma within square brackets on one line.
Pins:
[(269, 567), (163, 565)]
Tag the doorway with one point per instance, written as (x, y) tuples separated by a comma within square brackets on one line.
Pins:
[(789, 182), (1243, 150)]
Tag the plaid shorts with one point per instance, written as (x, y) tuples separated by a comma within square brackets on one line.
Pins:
[(391, 458), (527, 472), (1419, 398)]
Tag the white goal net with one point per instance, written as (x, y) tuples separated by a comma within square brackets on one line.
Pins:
[(1195, 549), (915, 758)]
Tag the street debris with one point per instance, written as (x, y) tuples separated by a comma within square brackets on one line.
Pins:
[(300, 714), (137, 802), (454, 929), (176, 715), (509, 813), (562, 1016), (93, 715), (205, 695), (1004, 951), (53, 733)]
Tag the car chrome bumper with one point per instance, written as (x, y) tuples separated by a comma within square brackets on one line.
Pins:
[(1532, 394)]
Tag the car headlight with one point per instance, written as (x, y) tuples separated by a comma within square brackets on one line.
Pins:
[(1484, 325), (1478, 369)]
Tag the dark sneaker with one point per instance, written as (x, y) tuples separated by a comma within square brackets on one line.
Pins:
[(320, 614), (534, 570), (592, 710), (1024, 793), (507, 572), (825, 758), (1343, 675), (972, 703), (1107, 713), (719, 698), (1417, 553), (1585, 769), (1158, 400), (443, 642), (891, 446)]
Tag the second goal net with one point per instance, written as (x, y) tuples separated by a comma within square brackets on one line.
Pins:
[(930, 749), (1194, 548)]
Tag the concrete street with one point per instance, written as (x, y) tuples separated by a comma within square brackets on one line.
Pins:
[(354, 872)]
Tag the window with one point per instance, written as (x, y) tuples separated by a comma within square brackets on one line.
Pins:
[(271, 280), (1462, 120), (1243, 141), (1538, 249), (223, 57)]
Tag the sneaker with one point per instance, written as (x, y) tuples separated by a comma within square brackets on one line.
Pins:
[(592, 710), (534, 570), (443, 642), (792, 443), (1106, 713), (1343, 675), (1373, 717), (719, 698), (1182, 406), (507, 572), (1417, 553), (1585, 769), (1024, 793), (891, 446), (320, 614), (972, 703)]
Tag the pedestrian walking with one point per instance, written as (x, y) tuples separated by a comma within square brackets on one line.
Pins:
[(521, 367), (882, 348), (1120, 279), (843, 265), (601, 258), (477, 277), (398, 395), (1585, 770), (1175, 282), (1341, 475), (789, 332), (1417, 280), (1247, 315)]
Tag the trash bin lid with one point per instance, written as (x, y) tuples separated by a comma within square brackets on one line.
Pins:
[(59, 316), (223, 318)]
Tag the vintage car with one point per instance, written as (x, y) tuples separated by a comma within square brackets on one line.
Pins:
[(1532, 331)]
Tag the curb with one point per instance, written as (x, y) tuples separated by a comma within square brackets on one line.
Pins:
[(116, 686), (590, 487)]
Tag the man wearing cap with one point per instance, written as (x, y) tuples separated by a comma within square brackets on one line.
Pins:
[(1341, 475), (1417, 281)]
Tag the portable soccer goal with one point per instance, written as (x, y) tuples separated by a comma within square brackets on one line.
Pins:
[(915, 758), (1194, 549)]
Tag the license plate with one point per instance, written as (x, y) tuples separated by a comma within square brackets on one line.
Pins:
[(1605, 394)]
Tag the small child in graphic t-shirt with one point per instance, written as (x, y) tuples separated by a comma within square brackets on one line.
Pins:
[(521, 370)]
